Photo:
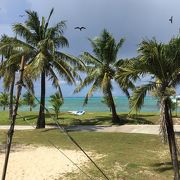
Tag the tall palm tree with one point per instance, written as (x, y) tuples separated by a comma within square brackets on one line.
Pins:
[(101, 68), (9, 67), (158, 61), (41, 43)]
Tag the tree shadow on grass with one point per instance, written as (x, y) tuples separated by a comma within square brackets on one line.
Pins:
[(137, 119), (100, 120), (34, 117), (162, 167), (28, 117)]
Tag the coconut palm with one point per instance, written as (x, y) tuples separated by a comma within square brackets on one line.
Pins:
[(29, 100), (40, 43), (56, 102), (4, 100), (101, 68), (9, 68), (157, 61)]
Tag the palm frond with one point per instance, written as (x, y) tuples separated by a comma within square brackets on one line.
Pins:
[(24, 32), (55, 81), (33, 22), (137, 99), (90, 59), (47, 23), (93, 88), (65, 71)]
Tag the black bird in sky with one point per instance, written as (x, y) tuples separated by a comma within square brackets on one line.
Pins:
[(80, 28), (171, 19), (21, 15)]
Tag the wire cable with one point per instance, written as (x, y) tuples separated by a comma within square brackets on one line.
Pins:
[(66, 132), (57, 148)]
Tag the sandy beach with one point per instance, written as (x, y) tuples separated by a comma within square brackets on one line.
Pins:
[(40, 163)]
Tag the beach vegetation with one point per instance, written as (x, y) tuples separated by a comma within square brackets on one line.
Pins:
[(8, 68), (29, 100), (4, 100), (56, 102), (41, 44), (101, 67), (161, 62)]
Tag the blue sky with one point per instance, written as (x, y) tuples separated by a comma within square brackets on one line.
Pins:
[(130, 19)]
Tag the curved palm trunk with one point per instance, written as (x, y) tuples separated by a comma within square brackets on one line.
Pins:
[(171, 138), (41, 117), (115, 118), (11, 96)]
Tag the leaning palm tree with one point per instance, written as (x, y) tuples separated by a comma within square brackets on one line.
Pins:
[(157, 61), (41, 43), (101, 68)]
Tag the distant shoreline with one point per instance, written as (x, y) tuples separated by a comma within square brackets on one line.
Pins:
[(95, 104)]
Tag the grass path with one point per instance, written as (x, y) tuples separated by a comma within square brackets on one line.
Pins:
[(143, 129)]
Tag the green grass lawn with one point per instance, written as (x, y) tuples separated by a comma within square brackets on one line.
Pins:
[(125, 156), (89, 118)]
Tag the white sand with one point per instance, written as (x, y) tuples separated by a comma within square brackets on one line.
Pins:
[(40, 163)]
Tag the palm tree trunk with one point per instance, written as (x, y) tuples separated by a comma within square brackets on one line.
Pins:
[(11, 96), (171, 139), (30, 108), (41, 117), (115, 118), (4, 108)]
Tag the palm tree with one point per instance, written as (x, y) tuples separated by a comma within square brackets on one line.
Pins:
[(101, 68), (4, 100), (56, 102), (40, 44), (28, 99), (9, 67), (158, 61)]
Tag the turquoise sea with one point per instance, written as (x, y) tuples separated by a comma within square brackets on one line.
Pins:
[(95, 104)]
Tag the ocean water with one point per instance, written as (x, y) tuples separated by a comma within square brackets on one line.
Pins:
[(95, 104)]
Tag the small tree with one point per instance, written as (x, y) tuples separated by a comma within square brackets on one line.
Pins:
[(56, 101), (4, 100), (29, 100)]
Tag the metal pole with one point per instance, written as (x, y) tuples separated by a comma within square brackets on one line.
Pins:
[(11, 129)]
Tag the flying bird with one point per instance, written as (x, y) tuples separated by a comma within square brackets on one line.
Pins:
[(21, 15), (80, 28), (171, 19)]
